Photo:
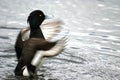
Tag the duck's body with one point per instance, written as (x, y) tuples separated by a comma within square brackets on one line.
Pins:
[(31, 45)]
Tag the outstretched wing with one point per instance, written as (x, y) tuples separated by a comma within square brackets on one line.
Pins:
[(55, 50), (50, 29)]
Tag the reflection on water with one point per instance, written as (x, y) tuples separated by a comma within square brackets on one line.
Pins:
[(93, 50)]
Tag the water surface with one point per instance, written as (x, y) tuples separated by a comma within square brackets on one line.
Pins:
[(93, 50)]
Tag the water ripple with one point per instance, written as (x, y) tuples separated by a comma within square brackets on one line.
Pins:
[(70, 61), (13, 28), (4, 37)]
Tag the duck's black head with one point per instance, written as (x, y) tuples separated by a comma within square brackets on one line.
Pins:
[(35, 19)]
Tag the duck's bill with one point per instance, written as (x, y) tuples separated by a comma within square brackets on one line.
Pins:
[(48, 17)]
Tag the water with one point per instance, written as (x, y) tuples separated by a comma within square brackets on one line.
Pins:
[(93, 50)]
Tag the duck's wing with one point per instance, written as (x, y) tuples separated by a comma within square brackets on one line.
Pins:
[(57, 48), (49, 49), (20, 42), (50, 29)]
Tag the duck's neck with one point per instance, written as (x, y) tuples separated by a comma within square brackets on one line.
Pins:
[(36, 33)]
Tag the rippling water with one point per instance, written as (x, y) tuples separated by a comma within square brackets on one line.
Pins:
[(93, 50)]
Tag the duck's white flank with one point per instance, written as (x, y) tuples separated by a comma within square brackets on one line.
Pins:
[(26, 35), (25, 71)]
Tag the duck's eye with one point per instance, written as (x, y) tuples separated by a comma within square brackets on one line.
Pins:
[(40, 15)]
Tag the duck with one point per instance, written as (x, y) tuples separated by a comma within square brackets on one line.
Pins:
[(34, 43)]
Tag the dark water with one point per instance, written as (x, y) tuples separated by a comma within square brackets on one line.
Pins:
[(93, 50)]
